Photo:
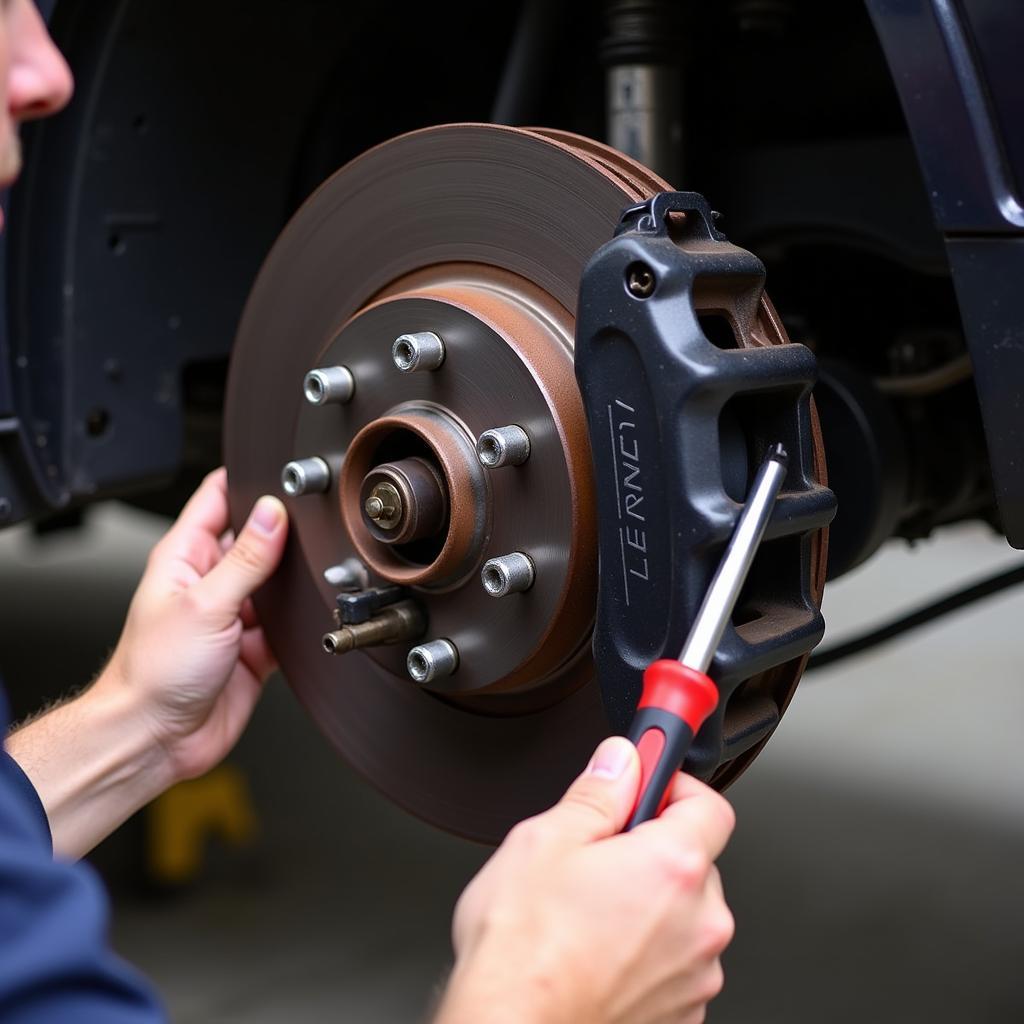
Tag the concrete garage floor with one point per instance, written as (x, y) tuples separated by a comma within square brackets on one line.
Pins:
[(875, 874)]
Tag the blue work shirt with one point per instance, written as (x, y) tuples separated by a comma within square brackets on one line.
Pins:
[(56, 965)]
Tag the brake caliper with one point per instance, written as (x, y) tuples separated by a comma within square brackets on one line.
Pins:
[(687, 377)]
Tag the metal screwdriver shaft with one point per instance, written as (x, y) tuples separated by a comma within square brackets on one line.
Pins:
[(678, 696), (719, 601)]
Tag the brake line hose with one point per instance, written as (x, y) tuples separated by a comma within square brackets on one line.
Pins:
[(929, 612)]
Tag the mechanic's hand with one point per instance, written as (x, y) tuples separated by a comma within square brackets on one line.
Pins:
[(572, 923), (191, 653)]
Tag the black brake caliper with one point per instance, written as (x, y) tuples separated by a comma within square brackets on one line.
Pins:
[(680, 415)]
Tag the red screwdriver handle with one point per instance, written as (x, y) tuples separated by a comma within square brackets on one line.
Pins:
[(674, 704)]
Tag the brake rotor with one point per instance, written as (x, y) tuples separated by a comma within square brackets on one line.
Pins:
[(477, 235)]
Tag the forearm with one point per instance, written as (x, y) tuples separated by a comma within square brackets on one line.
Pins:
[(482, 990), (93, 762), (473, 1002)]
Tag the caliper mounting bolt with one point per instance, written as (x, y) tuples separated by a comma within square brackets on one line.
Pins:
[(508, 574), (421, 351), (306, 476), (503, 446), (432, 660), (329, 384)]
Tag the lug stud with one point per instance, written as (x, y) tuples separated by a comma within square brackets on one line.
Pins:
[(306, 476), (503, 446), (432, 660), (329, 384), (422, 351), (508, 574)]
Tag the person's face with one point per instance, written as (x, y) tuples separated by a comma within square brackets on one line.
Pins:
[(34, 77)]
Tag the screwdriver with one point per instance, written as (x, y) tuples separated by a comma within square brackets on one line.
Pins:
[(677, 695)]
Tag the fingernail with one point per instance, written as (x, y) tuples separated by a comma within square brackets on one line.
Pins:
[(266, 516), (611, 757)]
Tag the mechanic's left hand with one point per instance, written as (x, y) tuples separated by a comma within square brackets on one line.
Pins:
[(192, 655)]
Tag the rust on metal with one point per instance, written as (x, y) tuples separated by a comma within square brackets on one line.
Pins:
[(459, 508), (480, 234), (409, 500)]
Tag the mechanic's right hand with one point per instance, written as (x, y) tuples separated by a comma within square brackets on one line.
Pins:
[(572, 923)]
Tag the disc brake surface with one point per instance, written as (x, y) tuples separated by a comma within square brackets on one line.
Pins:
[(476, 235)]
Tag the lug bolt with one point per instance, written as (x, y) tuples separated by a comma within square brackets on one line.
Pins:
[(422, 351), (432, 660), (384, 506), (508, 574), (503, 446), (328, 384), (346, 575), (306, 476)]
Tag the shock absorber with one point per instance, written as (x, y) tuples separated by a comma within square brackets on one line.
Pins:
[(643, 56)]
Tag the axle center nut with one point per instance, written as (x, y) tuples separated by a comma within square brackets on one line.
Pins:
[(405, 500), (384, 506)]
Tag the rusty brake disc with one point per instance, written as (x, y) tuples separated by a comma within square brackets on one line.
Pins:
[(477, 235)]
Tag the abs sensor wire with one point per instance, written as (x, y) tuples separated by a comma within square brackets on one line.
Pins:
[(927, 383), (975, 592)]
